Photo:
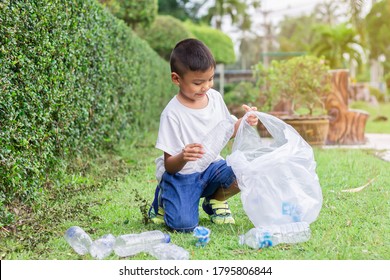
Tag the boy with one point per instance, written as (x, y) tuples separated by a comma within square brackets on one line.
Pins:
[(189, 116)]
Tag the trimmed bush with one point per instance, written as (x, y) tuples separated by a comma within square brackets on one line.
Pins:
[(73, 79), (220, 44), (134, 12), (166, 31), (164, 34)]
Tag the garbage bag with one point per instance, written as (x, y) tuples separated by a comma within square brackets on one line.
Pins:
[(277, 178)]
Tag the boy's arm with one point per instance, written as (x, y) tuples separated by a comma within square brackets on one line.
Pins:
[(190, 152)]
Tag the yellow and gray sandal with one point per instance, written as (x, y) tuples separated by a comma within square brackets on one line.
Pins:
[(218, 211)]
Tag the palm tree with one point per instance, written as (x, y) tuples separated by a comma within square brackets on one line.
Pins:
[(378, 29), (295, 34), (328, 12), (339, 45), (355, 10), (237, 10)]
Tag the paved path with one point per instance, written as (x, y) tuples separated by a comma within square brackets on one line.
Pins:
[(380, 142)]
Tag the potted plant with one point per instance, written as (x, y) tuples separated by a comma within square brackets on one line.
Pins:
[(299, 85), (245, 92)]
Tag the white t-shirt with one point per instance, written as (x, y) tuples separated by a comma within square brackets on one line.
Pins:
[(180, 125)]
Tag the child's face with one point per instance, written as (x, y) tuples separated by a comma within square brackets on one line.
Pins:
[(194, 85)]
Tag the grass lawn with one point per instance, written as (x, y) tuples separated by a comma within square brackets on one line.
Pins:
[(114, 191), (379, 119)]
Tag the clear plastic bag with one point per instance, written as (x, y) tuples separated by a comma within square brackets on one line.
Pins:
[(277, 178)]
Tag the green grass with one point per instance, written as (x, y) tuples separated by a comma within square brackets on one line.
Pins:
[(376, 122), (113, 193)]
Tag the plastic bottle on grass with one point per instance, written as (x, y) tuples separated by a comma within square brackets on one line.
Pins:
[(102, 247), (213, 143), (78, 239), (169, 251), (132, 244), (261, 237)]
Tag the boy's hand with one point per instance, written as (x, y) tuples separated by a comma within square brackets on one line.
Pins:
[(252, 119), (192, 152)]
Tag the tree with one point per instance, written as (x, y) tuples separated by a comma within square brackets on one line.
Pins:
[(237, 10), (133, 12), (339, 45), (355, 17), (174, 8), (378, 30), (328, 12), (250, 52), (296, 33), (355, 12)]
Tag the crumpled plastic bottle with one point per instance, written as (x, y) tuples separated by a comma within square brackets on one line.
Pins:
[(102, 247), (213, 143), (203, 236), (132, 244)]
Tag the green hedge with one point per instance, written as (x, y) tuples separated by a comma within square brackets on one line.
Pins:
[(73, 79)]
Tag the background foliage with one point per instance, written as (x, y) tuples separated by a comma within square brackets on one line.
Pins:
[(166, 31), (378, 28), (221, 45), (304, 81), (74, 79), (164, 34), (134, 13)]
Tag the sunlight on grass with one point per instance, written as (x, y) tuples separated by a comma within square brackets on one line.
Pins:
[(350, 225), (379, 119)]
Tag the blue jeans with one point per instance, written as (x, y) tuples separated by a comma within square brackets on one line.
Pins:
[(179, 194)]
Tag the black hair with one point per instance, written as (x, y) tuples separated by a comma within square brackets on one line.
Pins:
[(191, 54)]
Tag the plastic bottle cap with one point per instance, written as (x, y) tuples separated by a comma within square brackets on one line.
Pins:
[(201, 232), (167, 238)]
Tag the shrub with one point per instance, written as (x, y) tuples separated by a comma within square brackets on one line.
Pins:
[(166, 31), (163, 34), (243, 93), (73, 79), (379, 96), (133, 12), (220, 44), (304, 81)]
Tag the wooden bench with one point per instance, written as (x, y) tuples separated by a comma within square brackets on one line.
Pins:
[(347, 126)]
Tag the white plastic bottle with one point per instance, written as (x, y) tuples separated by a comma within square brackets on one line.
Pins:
[(257, 238), (102, 247), (78, 239), (214, 142), (132, 244), (169, 251)]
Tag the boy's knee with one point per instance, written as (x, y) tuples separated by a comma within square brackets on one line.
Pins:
[(181, 225)]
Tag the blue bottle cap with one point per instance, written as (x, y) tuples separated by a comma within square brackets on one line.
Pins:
[(203, 235), (201, 232)]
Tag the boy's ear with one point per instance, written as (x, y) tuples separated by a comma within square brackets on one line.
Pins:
[(175, 78)]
